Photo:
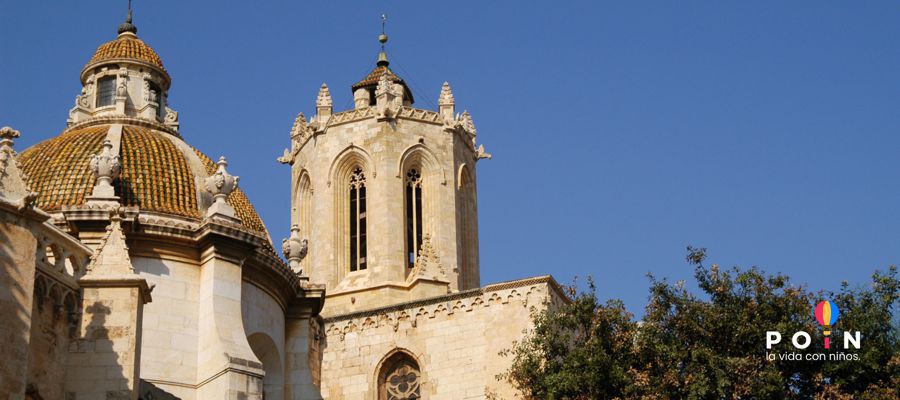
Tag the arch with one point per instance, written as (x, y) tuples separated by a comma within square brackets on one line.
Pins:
[(349, 157), (421, 154), (421, 203), (295, 192), (56, 294), (74, 266), (348, 167), (463, 175), (302, 204), (267, 352), (49, 254), (398, 376), (40, 291), (467, 228)]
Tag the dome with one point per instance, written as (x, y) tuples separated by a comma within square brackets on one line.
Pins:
[(371, 80), (159, 173), (126, 47)]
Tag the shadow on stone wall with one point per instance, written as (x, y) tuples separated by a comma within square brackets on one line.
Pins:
[(15, 281), (97, 345), (150, 391)]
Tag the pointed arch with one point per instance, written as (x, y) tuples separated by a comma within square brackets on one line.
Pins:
[(421, 154), (467, 228), (348, 176), (399, 376), (344, 160), (303, 197), (422, 175)]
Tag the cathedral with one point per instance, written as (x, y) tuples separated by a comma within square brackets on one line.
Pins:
[(132, 266)]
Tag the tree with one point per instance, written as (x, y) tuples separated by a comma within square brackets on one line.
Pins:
[(578, 350), (711, 345)]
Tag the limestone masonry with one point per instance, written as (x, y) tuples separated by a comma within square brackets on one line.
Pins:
[(132, 266)]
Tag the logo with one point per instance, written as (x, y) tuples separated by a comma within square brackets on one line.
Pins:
[(826, 313)]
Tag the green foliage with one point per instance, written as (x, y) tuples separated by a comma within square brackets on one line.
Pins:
[(579, 350), (711, 345)]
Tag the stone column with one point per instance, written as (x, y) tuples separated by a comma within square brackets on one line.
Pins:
[(104, 361), (227, 367), (301, 346)]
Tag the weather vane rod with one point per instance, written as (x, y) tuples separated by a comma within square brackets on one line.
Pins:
[(383, 37)]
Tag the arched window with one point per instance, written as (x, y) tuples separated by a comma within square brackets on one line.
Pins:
[(357, 220), (304, 217), (467, 229), (106, 91), (413, 215), (399, 378), (157, 97)]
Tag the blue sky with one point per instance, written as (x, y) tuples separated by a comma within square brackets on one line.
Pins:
[(766, 131)]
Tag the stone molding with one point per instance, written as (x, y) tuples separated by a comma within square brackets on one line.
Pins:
[(166, 228), (125, 120), (467, 300)]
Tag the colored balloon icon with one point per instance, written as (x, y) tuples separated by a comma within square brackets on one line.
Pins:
[(827, 314)]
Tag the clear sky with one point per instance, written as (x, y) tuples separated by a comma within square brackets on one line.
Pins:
[(621, 131)]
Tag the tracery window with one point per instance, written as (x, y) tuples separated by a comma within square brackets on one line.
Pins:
[(357, 220), (413, 215), (400, 379), (106, 91)]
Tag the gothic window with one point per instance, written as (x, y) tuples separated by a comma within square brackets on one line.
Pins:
[(413, 215), (357, 220), (400, 379), (106, 91), (305, 209), (467, 230)]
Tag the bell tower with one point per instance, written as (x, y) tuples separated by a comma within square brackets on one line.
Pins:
[(384, 197)]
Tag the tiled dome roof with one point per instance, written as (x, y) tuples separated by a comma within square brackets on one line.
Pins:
[(126, 47), (156, 173), (371, 80)]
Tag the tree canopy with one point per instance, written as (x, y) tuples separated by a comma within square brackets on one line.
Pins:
[(711, 344)]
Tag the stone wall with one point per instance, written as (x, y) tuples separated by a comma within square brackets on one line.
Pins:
[(170, 336), (455, 339), (17, 265), (49, 347), (103, 359), (38, 303), (264, 326)]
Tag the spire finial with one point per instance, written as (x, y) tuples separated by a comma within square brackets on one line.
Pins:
[(383, 38), (127, 26)]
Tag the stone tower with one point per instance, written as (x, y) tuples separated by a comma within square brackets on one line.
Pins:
[(384, 195)]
